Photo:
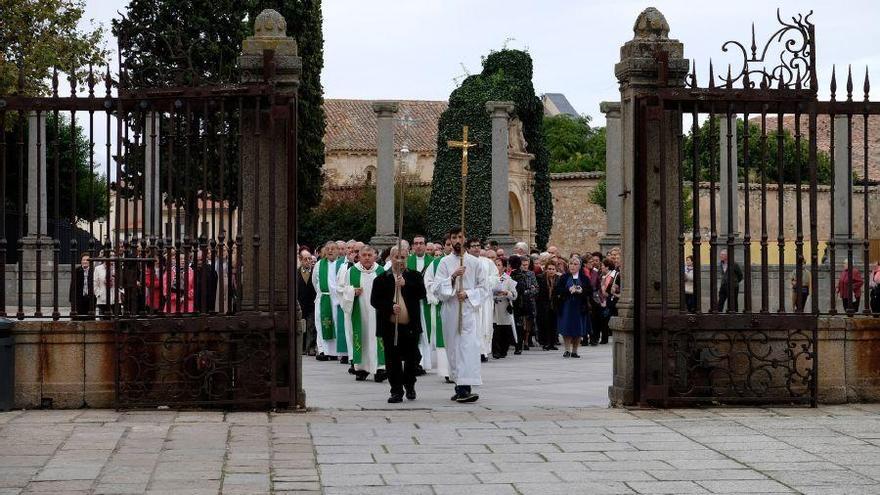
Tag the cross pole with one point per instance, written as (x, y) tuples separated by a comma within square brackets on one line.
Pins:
[(401, 178), (464, 144)]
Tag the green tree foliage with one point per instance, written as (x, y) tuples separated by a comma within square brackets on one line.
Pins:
[(506, 76), (573, 145), (792, 156), (189, 42), (351, 214), (39, 35), (598, 196)]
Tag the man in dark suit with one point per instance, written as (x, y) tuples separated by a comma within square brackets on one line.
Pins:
[(306, 295), (82, 289), (397, 296)]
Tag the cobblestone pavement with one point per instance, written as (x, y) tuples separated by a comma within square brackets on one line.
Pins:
[(444, 448)]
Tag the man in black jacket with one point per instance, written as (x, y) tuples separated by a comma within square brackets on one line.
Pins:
[(725, 295), (397, 296), (306, 295), (82, 289)]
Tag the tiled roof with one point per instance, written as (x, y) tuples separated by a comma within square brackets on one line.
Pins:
[(351, 125), (823, 139)]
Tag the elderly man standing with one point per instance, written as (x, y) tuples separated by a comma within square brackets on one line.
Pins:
[(326, 301), (356, 287), (460, 285), (397, 296), (419, 261)]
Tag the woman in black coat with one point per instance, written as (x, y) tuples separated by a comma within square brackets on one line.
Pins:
[(546, 314)]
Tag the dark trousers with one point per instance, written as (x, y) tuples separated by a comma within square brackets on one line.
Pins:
[(875, 299), (310, 335), (851, 304), (402, 360), (518, 345), (501, 337), (722, 299), (690, 301), (801, 302), (599, 326)]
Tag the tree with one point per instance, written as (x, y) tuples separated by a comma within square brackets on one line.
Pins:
[(40, 35), (191, 42), (573, 145), (791, 156), (351, 214), (506, 76)]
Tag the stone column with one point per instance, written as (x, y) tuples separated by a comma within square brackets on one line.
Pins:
[(499, 112), (648, 62), (271, 54), (843, 199), (37, 240), (613, 175), (725, 189), (385, 235), (152, 197)]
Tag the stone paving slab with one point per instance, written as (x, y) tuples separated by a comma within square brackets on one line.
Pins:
[(509, 445)]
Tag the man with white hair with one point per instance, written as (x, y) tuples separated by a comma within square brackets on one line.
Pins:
[(356, 286), (404, 244), (521, 249), (397, 297)]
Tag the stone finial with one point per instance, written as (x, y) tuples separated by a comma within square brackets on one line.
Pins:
[(270, 33), (651, 24), (611, 109), (499, 108), (385, 107)]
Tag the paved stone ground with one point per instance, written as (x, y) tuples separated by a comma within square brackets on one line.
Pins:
[(444, 448)]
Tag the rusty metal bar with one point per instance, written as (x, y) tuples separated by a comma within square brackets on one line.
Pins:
[(732, 202), (3, 212), (799, 218), (765, 268), (696, 170), (679, 162), (780, 238), (832, 248), (747, 230), (867, 275), (56, 242), (257, 223), (713, 217)]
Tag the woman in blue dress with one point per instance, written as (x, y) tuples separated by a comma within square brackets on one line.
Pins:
[(572, 296)]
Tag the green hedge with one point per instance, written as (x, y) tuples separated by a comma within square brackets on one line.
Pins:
[(506, 76)]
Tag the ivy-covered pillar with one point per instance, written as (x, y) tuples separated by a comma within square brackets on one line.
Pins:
[(500, 111), (385, 236), (649, 62)]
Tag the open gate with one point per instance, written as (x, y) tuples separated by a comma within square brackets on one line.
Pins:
[(707, 334)]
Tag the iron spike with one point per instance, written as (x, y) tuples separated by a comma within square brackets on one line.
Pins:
[(797, 79), (754, 46), (849, 84), (91, 81), (72, 79), (867, 84), (781, 84), (729, 78), (747, 83), (711, 75), (108, 81), (833, 82), (694, 73)]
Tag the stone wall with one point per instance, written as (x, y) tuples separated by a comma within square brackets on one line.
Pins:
[(578, 225)]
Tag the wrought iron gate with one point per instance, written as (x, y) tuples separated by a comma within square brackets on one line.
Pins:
[(194, 326), (760, 348)]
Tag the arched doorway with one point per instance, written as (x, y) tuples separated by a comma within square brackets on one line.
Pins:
[(515, 216)]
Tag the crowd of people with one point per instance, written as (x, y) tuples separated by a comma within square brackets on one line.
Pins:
[(466, 302), (131, 282)]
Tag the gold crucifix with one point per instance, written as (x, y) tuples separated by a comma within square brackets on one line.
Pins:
[(464, 145)]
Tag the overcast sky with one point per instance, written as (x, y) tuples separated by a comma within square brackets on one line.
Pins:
[(415, 49)]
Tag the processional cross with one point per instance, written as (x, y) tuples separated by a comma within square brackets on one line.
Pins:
[(464, 144)]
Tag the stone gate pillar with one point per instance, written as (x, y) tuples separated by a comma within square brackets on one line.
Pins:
[(37, 239), (385, 235), (500, 112), (152, 176), (264, 161), (648, 62), (843, 196), (613, 175)]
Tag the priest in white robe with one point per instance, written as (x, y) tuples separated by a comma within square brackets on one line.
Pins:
[(434, 328), (324, 278), (356, 285), (459, 285), (487, 311)]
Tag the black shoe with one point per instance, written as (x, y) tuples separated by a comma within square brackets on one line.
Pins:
[(351, 370), (448, 380), (496, 356), (517, 352), (574, 355), (361, 375), (603, 341), (554, 348), (566, 354), (380, 376), (322, 357), (483, 358), (411, 393), (333, 358), (454, 398), (585, 342), (395, 399), (343, 360), (467, 398)]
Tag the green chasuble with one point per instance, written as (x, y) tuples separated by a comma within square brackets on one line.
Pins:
[(326, 304), (354, 278), (426, 308)]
